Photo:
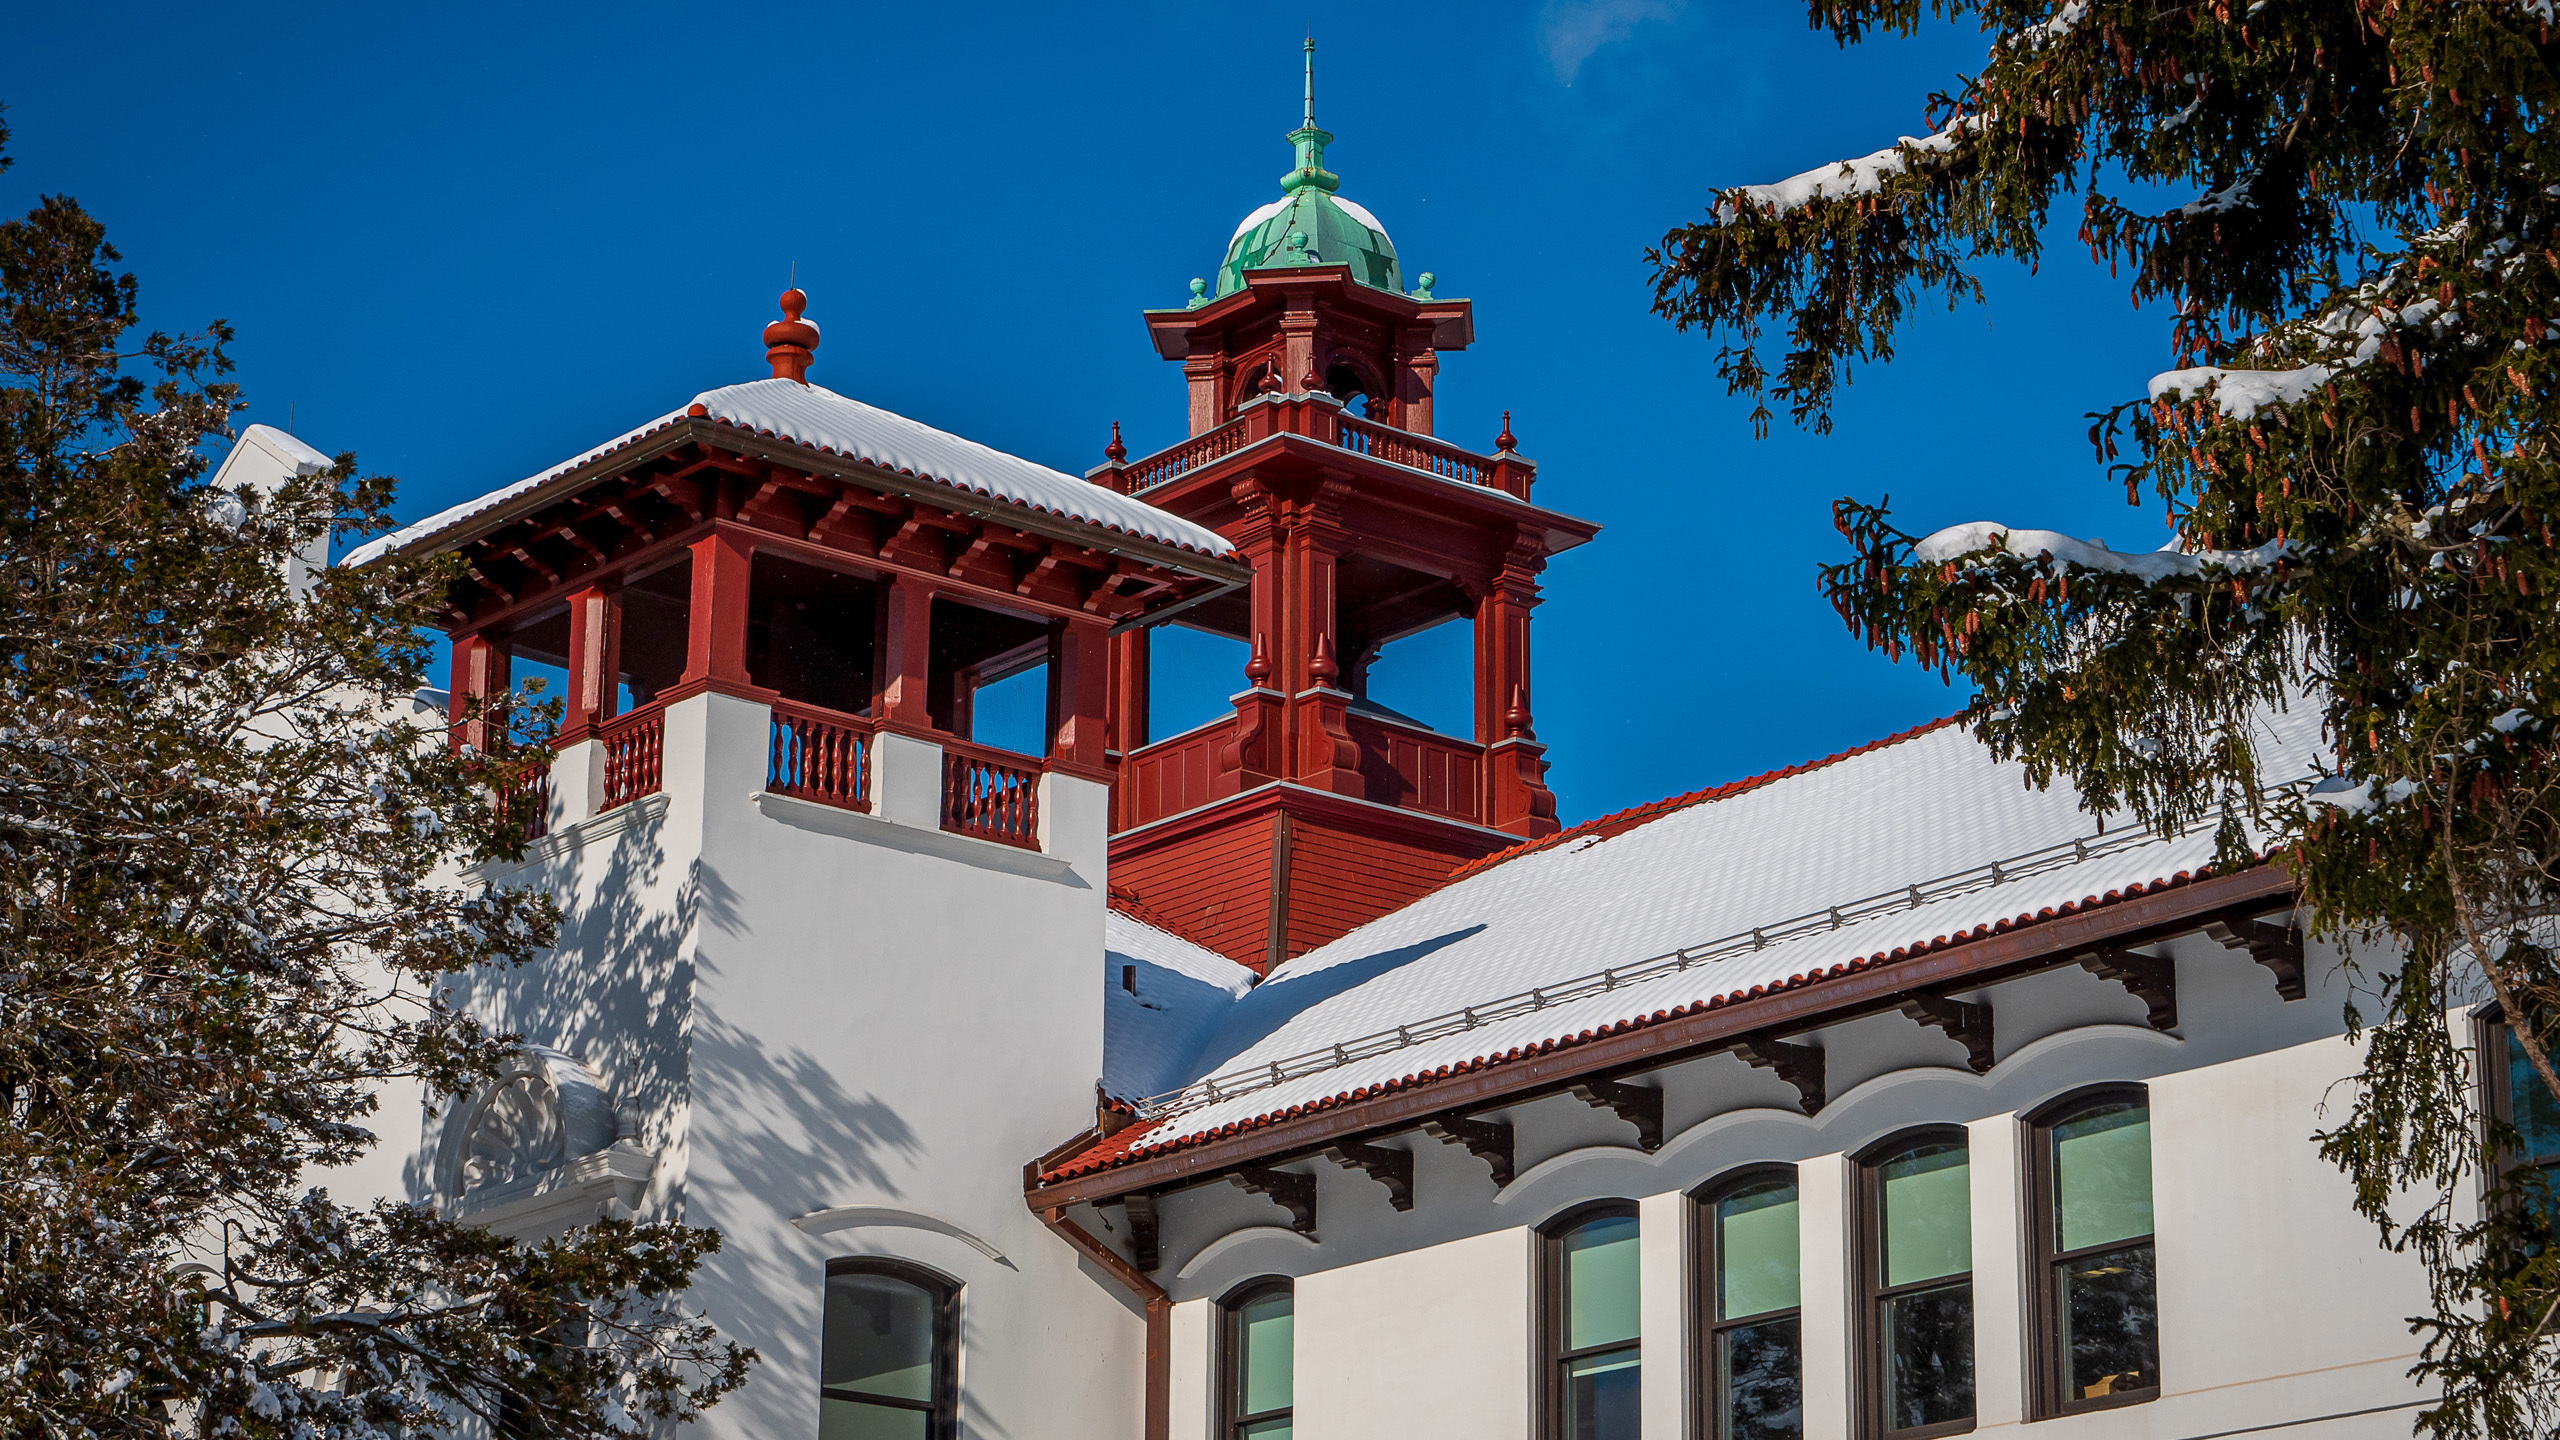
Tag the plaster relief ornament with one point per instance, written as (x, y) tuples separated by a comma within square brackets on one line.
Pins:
[(516, 1135)]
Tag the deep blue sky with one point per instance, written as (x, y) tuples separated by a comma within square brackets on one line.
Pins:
[(467, 242)]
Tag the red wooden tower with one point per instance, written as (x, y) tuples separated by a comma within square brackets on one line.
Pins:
[(1310, 810)]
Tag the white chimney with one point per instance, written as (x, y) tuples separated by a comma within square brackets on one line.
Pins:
[(264, 460)]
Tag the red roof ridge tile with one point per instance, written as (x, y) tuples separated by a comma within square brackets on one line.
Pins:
[(1610, 826)]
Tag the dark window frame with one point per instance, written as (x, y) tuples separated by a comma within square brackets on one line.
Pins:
[(2497, 1100), (1230, 1425), (1706, 1303), (2048, 1369), (1869, 1293), (1553, 1356), (942, 1412)]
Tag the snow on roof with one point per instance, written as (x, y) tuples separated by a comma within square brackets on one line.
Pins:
[(289, 455), (1887, 851), (1359, 214), (1356, 212), (1150, 1038), (823, 420)]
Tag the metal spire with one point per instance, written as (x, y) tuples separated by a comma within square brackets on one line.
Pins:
[(1310, 142), (1311, 82)]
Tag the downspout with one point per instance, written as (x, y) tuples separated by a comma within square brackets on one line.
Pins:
[(1159, 1392)]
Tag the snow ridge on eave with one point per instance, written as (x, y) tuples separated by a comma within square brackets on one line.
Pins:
[(451, 516), (967, 488), (1117, 1151), (1617, 823)]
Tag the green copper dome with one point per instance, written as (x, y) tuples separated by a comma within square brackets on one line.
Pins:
[(1309, 224)]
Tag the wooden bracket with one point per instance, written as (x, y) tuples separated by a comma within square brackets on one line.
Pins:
[(1391, 1168), (1138, 1207), (1487, 1140), (1638, 1105), (1798, 1065), (2278, 947), (1292, 1191), (2152, 979), (1966, 1023)]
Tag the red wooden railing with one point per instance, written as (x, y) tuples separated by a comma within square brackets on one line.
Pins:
[(1173, 775), (990, 794), (821, 755), (1191, 454), (635, 754), (1402, 447), (529, 799), (1414, 769)]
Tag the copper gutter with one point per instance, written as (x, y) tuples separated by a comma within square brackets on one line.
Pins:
[(1159, 1379)]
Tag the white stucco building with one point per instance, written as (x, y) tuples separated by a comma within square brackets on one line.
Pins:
[(1298, 1073)]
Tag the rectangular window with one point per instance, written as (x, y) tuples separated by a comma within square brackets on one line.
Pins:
[(1754, 1360), (1916, 1274), (1591, 1332), (886, 1368), (2095, 1299)]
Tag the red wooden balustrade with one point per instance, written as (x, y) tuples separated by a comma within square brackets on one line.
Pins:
[(1172, 775), (1416, 769), (1190, 455), (635, 754), (529, 799), (1401, 447), (991, 794), (821, 755)]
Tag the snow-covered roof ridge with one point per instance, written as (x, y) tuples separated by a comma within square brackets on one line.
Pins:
[(822, 420), (1891, 852)]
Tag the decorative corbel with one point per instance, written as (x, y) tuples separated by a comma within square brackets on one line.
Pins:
[(2278, 947), (1799, 1065), (2152, 979), (1965, 1023), (1391, 1168), (1638, 1105), (1290, 1190), (1487, 1140), (1138, 1208)]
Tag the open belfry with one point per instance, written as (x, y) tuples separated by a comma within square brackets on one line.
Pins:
[(1311, 374)]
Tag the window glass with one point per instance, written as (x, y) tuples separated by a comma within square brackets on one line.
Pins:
[(1761, 1369), (2102, 1175), (2110, 1324), (1928, 1213), (1757, 1251), (2533, 1112), (1600, 1283), (879, 1337), (1265, 1358), (853, 1420), (1601, 1396), (1928, 1350)]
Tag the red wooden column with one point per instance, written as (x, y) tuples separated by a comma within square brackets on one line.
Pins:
[(906, 636), (1327, 757), (715, 654), (1516, 794), (595, 650), (1257, 751), (479, 676), (1080, 697)]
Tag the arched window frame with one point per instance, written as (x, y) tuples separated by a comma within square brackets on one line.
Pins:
[(1232, 1423), (2048, 1376), (1872, 1293), (1706, 1365), (943, 1411), (1553, 1354)]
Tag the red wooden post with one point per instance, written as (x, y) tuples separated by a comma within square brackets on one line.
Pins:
[(1079, 673), (905, 655), (479, 673), (716, 645), (594, 662)]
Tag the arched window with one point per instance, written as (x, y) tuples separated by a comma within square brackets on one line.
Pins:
[(2094, 1298), (1915, 1278), (1589, 1328), (1257, 1360), (887, 1369), (1753, 1360)]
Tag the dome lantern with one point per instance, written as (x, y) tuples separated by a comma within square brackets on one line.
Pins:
[(1310, 224)]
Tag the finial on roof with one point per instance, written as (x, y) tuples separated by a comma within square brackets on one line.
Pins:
[(1516, 719), (1424, 293), (1323, 667), (1257, 668), (1115, 452), (1199, 292), (789, 340), (1310, 142), (1505, 440)]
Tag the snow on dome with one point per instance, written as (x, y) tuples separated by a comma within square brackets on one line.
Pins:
[(1358, 213), (822, 420), (1257, 217)]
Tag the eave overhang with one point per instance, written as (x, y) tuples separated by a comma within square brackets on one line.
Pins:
[(1452, 321)]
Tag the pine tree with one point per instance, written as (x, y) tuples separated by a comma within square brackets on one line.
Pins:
[(226, 904), (2357, 453)]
